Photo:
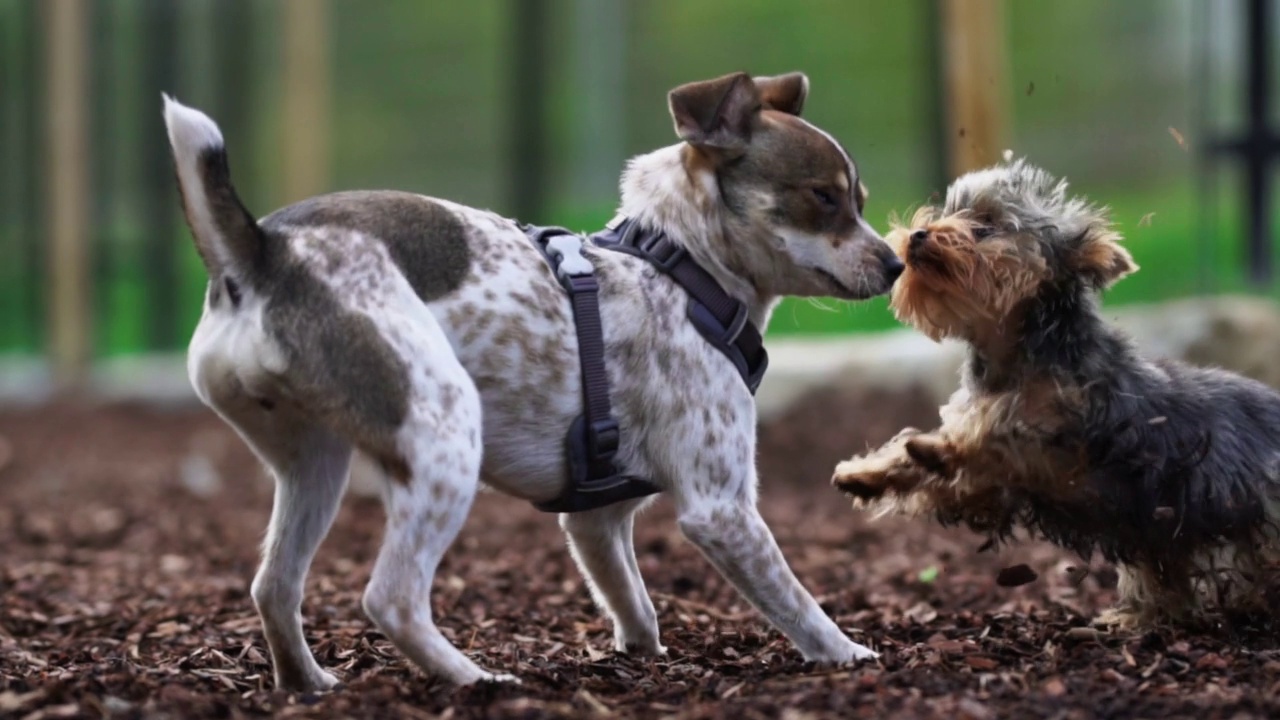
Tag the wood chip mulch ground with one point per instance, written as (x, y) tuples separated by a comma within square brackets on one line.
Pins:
[(128, 538)]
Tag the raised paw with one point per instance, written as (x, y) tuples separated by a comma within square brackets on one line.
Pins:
[(930, 452), (905, 432), (861, 479)]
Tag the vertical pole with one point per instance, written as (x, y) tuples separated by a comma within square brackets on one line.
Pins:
[(526, 114), (976, 73), (599, 61), (305, 134), (1259, 27), (160, 199), (66, 43), (233, 88), (31, 200), (935, 100)]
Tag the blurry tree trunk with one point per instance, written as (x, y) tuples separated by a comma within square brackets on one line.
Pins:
[(160, 197), (976, 73), (526, 115), (599, 77), (305, 134), (66, 44), (233, 80)]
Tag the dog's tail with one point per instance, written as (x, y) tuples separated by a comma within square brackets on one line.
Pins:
[(227, 236)]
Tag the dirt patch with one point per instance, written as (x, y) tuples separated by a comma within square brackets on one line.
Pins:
[(129, 537)]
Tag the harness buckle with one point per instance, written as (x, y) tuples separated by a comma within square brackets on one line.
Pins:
[(604, 438), (661, 252)]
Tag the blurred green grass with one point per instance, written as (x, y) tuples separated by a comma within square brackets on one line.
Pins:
[(444, 133), (1159, 225)]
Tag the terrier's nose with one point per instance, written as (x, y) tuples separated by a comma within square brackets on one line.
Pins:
[(893, 267), (918, 237)]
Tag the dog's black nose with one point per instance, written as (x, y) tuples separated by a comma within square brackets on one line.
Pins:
[(918, 237), (893, 267)]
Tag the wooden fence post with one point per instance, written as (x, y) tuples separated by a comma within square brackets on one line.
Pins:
[(305, 131), (66, 30), (975, 67)]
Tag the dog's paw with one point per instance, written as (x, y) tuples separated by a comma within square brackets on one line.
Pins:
[(317, 681), (850, 653), (640, 648), (931, 453), (854, 477), (905, 432)]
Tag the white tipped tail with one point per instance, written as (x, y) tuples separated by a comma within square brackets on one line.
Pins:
[(226, 235)]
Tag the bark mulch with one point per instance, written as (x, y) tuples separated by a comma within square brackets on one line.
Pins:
[(128, 538)]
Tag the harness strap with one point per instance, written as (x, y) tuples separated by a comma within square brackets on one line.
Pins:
[(593, 438), (719, 317)]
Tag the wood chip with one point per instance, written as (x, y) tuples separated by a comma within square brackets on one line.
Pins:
[(1016, 576)]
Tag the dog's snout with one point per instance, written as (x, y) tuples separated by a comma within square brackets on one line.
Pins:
[(893, 267), (918, 238)]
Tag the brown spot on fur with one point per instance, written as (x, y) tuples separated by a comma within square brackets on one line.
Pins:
[(337, 358), (395, 467), (427, 242)]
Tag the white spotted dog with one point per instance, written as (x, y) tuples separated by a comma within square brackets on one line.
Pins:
[(439, 340)]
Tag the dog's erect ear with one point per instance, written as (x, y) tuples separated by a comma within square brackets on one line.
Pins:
[(1101, 260), (784, 93), (716, 114)]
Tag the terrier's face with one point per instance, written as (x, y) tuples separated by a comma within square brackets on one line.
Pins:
[(1005, 236)]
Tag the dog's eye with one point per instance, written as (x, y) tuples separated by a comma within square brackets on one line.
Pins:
[(826, 199), (982, 232)]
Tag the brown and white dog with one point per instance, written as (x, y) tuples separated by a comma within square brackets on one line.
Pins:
[(434, 338)]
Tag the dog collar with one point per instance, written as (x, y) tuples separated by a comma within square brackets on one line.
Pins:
[(719, 317), (593, 438)]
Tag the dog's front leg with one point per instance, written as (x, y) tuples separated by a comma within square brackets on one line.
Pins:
[(889, 469), (718, 514), (602, 545)]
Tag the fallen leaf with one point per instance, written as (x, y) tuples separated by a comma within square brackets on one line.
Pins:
[(1177, 136), (922, 613)]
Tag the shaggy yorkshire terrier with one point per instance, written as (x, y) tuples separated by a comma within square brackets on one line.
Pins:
[(1060, 427)]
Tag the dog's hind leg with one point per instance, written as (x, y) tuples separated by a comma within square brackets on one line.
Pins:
[(602, 544), (428, 496), (310, 466)]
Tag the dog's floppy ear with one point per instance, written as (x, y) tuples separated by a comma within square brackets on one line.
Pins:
[(716, 114), (1101, 260), (784, 93)]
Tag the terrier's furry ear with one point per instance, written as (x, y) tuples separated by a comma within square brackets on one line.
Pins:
[(716, 114), (1101, 260), (784, 93)]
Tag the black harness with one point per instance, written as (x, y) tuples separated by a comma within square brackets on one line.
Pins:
[(593, 439)]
